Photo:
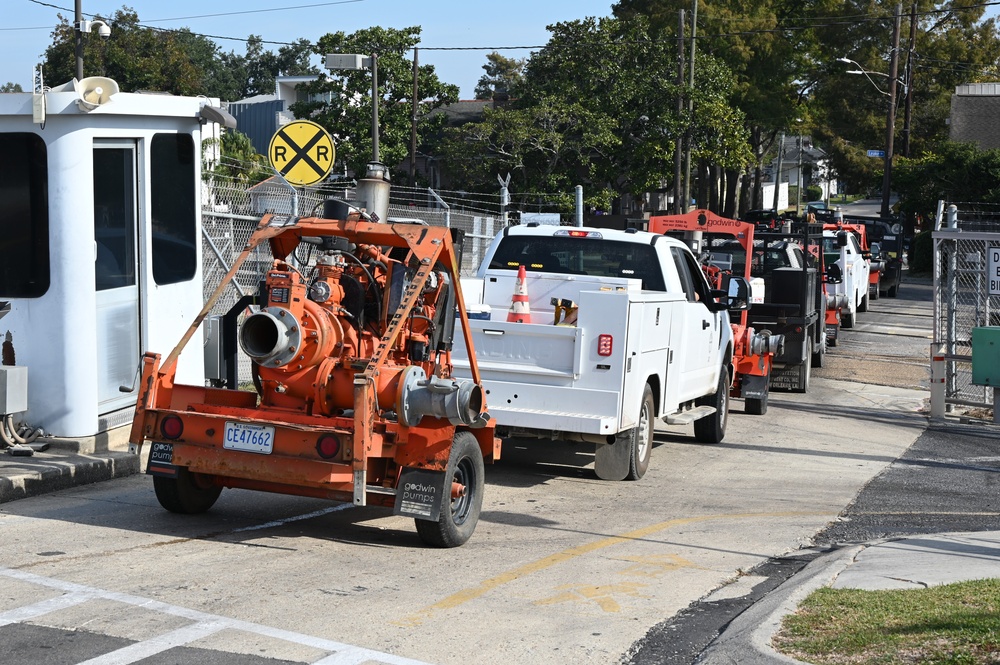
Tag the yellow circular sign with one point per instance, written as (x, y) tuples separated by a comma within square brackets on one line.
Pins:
[(302, 152)]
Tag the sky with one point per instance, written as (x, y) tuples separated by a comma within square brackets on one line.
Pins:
[(25, 31)]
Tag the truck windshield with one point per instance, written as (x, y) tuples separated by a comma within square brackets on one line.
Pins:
[(581, 256)]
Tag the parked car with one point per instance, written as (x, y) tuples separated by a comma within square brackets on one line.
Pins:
[(764, 219)]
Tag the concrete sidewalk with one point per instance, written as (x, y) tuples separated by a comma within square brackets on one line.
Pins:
[(907, 563)]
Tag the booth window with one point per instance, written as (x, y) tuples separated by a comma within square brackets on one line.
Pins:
[(24, 216), (172, 180)]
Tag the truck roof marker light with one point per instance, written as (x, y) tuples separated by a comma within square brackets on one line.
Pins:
[(576, 233), (171, 427), (605, 344)]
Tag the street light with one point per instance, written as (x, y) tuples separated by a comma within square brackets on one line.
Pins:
[(357, 62)]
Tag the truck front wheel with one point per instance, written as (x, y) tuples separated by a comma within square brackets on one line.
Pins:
[(460, 515), (642, 436), (712, 428), (188, 494)]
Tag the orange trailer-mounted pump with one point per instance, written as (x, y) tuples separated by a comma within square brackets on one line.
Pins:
[(355, 397), (754, 351)]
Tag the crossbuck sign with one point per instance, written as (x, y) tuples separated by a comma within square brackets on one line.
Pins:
[(302, 152)]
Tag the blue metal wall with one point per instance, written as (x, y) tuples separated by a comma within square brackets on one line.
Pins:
[(258, 120)]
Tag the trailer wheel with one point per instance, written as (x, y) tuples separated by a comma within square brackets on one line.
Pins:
[(712, 429), (188, 494), (876, 293), (804, 372), (642, 437), (458, 516)]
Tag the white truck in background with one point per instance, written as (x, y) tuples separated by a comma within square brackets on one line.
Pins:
[(843, 251), (651, 340)]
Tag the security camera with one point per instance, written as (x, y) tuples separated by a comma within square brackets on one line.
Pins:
[(103, 31)]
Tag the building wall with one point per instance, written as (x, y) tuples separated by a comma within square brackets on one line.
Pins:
[(975, 115)]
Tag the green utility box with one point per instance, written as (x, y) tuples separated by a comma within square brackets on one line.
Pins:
[(986, 356)]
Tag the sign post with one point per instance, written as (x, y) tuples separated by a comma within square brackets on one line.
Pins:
[(302, 152)]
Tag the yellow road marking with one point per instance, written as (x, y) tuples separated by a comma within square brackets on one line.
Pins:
[(603, 595), (484, 587)]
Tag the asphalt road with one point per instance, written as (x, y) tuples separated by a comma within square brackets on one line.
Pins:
[(563, 568)]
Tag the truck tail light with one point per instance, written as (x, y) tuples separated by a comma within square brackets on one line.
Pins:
[(328, 446), (604, 345), (171, 427)]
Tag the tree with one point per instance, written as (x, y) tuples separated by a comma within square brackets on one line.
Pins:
[(598, 107), (953, 46), (11, 87), (240, 162), (953, 172), (503, 75), (341, 101)]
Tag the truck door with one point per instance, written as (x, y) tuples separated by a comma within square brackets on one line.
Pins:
[(116, 272), (698, 331)]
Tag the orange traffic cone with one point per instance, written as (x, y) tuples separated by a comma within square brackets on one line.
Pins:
[(520, 308)]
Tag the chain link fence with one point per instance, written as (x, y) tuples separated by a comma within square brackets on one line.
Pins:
[(963, 299), (232, 209)]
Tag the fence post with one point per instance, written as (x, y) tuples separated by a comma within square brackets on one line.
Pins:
[(939, 373)]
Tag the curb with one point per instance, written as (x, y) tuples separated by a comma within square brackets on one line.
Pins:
[(22, 477)]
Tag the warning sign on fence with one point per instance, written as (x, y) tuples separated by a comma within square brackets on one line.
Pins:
[(993, 270)]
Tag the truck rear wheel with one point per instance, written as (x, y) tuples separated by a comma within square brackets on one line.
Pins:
[(712, 428), (188, 494), (642, 436), (459, 516)]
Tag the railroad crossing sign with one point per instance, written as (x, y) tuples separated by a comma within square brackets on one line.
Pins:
[(302, 152)]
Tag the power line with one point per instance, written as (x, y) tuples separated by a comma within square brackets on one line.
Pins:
[(255, 11)]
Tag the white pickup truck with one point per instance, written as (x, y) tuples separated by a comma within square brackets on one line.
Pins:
[(842, 250), (651, 340)]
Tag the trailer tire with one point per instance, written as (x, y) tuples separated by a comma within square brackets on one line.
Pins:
[(641, 436), (805, 369), (712, 428), (187, 494), (458, 516), (876, 293)]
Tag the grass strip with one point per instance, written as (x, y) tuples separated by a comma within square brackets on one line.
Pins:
[(951, 623)]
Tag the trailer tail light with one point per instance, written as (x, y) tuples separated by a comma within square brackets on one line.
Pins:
[(604, 345), (171, 427), (328, 446)]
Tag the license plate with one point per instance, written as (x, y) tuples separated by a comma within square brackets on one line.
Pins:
[(249, 438)]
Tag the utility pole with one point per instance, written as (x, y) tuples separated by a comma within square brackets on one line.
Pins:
[(798, 179), (679, 147), (777, 172), (413, 125), (890, 121), (908, 80), (78, 35), (687, 159)]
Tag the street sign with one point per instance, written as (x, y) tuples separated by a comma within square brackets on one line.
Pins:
[(302, 152), (993, 270), (877, 153)]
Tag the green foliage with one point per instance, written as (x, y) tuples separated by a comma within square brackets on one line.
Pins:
[(502, 74), (240, 161), (175, 61), (954, 172), (814, 193), (341, 101), (11, 87), (598, 107)]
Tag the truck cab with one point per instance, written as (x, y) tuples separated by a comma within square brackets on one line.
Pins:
[(841, 248)]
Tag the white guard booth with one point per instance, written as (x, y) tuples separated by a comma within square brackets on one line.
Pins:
[(100, 245)]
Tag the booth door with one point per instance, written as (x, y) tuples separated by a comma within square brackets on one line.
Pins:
[(116, 272)]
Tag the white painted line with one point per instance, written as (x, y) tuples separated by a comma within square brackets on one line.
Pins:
[(140, 650), (27, 612), (346, 654), (287, 520)]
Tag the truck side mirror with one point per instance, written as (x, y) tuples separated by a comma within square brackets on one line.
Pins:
[(833, 274), (876, 251), (738, 295), (842, 239)]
